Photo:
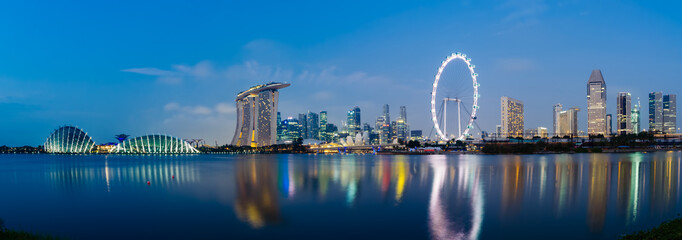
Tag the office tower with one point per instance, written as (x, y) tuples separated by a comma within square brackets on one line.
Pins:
[(568, 122), (256, 115), (623, 111), (634, 118), (353, 124), (387, 115), (655, 112), (512, 117), (596, 104), (416, 135), (294, 129), (279, 127), (394, 130), (303, 122), (557, 108), (670, 114), (401, 124), (384, 130), (498, 131), (313, 126), (323, 126), (542, 132), (609, 124), (366, 127)]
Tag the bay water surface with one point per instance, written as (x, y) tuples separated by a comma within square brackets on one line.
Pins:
[(267, 196)]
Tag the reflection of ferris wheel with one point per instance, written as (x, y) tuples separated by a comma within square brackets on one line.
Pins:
[(457, 85)]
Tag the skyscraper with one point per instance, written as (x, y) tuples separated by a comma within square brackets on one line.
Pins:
[(313, 126), (303, 123), (596, 104), (387, 117), (609, 124), (623, 111), (512, 117), (323, 127), (353, 123), (256, 115), (556, 109), (401, 124), (568, 122), (670, 113), (655, 112), (634, 118), (386, 113)]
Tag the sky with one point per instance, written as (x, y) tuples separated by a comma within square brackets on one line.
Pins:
[(175, 67)]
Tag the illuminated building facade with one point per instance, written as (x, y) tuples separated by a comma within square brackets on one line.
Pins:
[(512, 117), (596, 104), (556, 109), (402, 128), (153, 144), (542, 132), (69, 139), (354, 125), (568, 122), (634, 118), (257, 115), (324, 134), (303, 122), (313, 126), (655, 112), (609, 124), (623, 117), (670, 114)]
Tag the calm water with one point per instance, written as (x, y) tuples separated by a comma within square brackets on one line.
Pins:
[(339, 196)]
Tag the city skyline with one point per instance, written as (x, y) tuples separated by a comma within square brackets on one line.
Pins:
[(178, 76)]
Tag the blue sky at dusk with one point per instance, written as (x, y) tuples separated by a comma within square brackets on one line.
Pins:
[(174, 67)]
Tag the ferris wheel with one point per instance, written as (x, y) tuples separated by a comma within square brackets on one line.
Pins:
[(457, 84)]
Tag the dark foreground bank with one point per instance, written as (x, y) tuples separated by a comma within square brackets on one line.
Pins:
[(8, 234), (671, 229)]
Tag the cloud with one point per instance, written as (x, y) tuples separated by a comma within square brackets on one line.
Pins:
[(187, 110), (179, 72), (225, 108), (520, 14)]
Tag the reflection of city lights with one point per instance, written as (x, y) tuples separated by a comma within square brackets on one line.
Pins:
[(439, 224)]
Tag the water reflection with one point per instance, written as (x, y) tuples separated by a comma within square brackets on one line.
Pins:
[(451, 196), (159, 171)]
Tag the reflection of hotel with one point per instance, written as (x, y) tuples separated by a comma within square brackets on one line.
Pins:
[(257, 115)]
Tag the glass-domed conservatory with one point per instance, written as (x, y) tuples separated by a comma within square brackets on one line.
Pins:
[(155, 143), (69, 139)]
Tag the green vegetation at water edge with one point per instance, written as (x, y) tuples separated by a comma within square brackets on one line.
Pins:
[(8, 234), (671, 229)]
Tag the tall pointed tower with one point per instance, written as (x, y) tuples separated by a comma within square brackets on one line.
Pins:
[(596, 104)]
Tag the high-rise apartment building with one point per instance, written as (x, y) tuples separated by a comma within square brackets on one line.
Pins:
[(655, 112), (623, 111), (670, 113), (556, 109), (596, 104), (568, 122), (512, 117), (257, 115), (542, 132)]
